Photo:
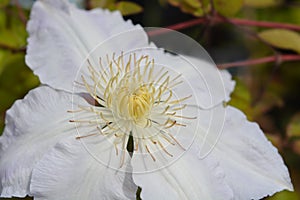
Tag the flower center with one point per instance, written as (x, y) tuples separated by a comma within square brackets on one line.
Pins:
[(139, 103), (133, 106), (134, 98)]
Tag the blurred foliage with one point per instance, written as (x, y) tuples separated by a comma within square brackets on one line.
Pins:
[(268, 93), (284, 39), (194, 7), (262, 3), (293, 129), (228, 8), (125, 7)]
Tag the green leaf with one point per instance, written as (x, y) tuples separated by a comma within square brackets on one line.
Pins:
[(128, 8), (102, 4), (12, 30), (293, 128), (4, 3), (198, 12), (228, 7), (284, 195), (175, 2), (262, 3), (193, 7), (193, 3), (268, 101), (15, 80), (283, 39)]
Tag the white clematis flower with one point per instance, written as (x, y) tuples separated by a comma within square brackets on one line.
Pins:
[(66, 141)]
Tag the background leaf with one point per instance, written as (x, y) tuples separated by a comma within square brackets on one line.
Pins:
[(293, 129), (228, 7), (194, 7), (284, 39), (262, 3), (128, 8)]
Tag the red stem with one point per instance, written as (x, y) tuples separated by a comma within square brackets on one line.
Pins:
[(21, 13), (236, 21), (275, 58), (247, 22), (12, 49)]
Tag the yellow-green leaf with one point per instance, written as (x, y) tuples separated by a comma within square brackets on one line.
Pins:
[(261, 3), (15, 79), (102, 4), (285, 195), (193, 3), (4, 3), (193, 7), (175, 2), (293, 128), (281, 38), (228, 7), (194, 11), (128, 8)]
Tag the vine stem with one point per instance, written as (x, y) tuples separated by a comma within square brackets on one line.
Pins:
[(88, 4), (12, 49), (21, 13), (236, 21), (275, 58)]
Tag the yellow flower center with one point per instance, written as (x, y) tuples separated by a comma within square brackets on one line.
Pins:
[(139, 103)]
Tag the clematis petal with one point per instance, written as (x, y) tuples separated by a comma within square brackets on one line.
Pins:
[(189, 177), (62, 36), (210, 85), (253, 168), (79, 174), (33, 125)]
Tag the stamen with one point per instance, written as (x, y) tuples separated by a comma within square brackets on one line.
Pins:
[(85, 136), (163, 148), (136, 147), (84, 121), (123, 151), (169, 97), (172, 123), (74, 111), (178, 124), (117, 150), (153, 158), (176, 142), (150, 74), (184, 117), (180, 108), (166, 138), (180, 100), (162, 76)]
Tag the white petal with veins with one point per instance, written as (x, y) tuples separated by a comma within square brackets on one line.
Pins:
[(187, 178), (211, 85), (62, 36), (33, 125), (70, 172), (252, 166)]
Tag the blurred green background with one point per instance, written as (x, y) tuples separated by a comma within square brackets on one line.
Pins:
[(268, 92)]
